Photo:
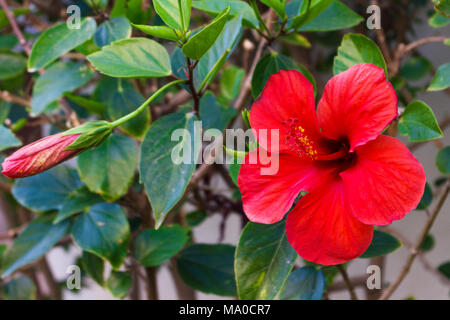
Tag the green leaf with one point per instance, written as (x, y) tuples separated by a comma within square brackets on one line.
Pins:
[(438, 21), (203, 40), (58, 78), (119, 9), (8, 139), (58, 40), (194, 218), (79, 200), (306, 283), (213, 113), (444, 268), (427, 243), (264, 258), (165, 180), (112, 30), (310, 10), (39, 236), (356, 49), (104, 231), (427, 197), (132, 58), (11, 65), (47, 190), (208, 268), (271, 64), (135, 13), (172, 14), (416, 68), (336, 17), (419, 123), (89, 104), (20, 288), (162, 32), (237, 7), (119, 283), (109, 169), (441, 79), (443, 160), (94, 266), (443, 6), (4, 21), (8, 42), (230, 82), (277, 5), (382, 244), (121, 98), (154, 247), (234, 169)]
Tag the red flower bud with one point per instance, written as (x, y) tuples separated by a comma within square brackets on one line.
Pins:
[(39, 156)]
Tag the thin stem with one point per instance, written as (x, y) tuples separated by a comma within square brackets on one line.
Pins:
[(348, 283), (133, 114), (191, 85), (415, 250), (16, 30)]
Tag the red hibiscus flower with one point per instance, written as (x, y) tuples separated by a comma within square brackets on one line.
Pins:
[(39, 156), (355, 177)]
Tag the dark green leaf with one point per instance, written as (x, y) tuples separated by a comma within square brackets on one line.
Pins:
[(165, 179), (132, 58), (443, 6), (237, 7), (94, 266), (8, 42), (441, 79), (121, 98), (306, 283), (419, 123), (20, 288), (89, 104), (230, 82), (58, 40), (416, 68), (119, 283), (109, 168), (162, 32), (8, 139), (154, 247), (203, 40), (47, 190), (427, 243), (57, 79), (356, 49), (271, 64), (426, 198), (382, 244), (104, 231), (234, 171), (443, 160), (39, 236), (310, 10), (208, 268), (445, 269), (11, 65), (194, 218), (264, 259), (112, 30), (277, 5), (213, 113), (78, 201)]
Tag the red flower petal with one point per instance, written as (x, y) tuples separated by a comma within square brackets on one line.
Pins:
[(267, 198), (385, 183), (322, 230), (287, 99), (357, 105)]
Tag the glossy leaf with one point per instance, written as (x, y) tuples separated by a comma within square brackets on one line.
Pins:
[(438, 21), (60, 77), (34, 241), (426, 198), (173, 15), (203, 40), (58, 40), (119, 283), (165, 180), (8, 139), (356, 49), (162, 32), (132, 58), (306, 283), (419, 123), (264, 258), (194, 218), (47, 190), (230, 82), (121, 98), (278, 6), (443, 160), (154, 247), (237, 7), (208, 268), (271, 64), (89, 104), (94, 266), (76, 202), (213, 113), (11, 65), (382, 244), (109, 168), (104, 231), (112, 30), (310, 10), (441, 79), (20, 288)]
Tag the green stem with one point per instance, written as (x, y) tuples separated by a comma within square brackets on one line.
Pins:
[(212, 73), (133, 114)]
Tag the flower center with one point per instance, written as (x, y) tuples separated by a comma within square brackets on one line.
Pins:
[(299, 141)]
